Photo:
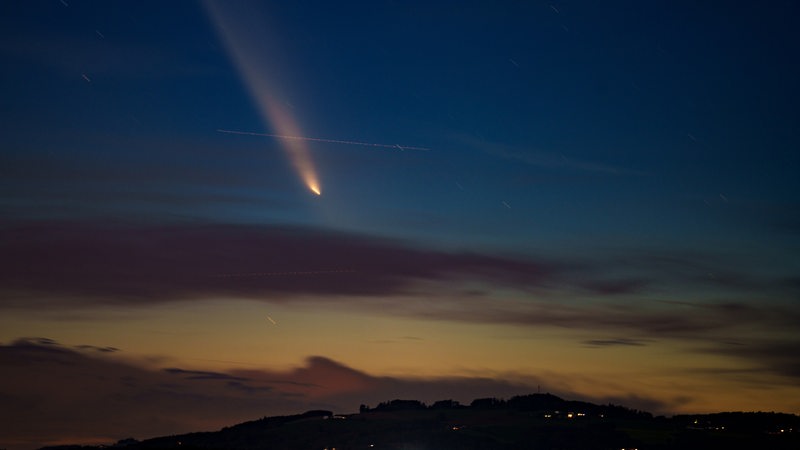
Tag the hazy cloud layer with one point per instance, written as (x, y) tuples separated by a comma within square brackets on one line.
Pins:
[(154, 264), (62, 265), (767, 356), (53, 394), (626, 342), (544, 160), (151, 263), (648, 320)]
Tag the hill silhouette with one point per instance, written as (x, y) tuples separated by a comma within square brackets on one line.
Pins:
[(535, 421)]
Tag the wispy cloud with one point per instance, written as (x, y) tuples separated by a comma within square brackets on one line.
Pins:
[(97, 349), (201, 375), (165, 263), (775, 356), (51, 393), (542, 159), (641, 319), (625, 342), (64, 265)]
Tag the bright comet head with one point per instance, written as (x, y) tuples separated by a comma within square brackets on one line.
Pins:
[(315, 189)]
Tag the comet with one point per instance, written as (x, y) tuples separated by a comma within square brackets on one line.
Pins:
[(243, 36)]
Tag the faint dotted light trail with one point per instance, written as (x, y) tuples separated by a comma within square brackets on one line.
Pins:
[(331, 141), (86, 78), (281, 274)]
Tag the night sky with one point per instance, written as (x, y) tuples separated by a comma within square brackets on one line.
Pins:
[(214, 212)]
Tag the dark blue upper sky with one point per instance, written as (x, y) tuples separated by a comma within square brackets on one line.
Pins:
[(558, 126)]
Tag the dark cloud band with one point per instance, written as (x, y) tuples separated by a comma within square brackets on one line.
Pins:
[(153, 264)]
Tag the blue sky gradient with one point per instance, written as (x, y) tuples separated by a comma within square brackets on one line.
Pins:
[(616, 177)]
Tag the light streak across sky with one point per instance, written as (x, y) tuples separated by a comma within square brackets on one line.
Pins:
[(331, 141)]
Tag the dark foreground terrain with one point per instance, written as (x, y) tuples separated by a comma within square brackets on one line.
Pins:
[(538, 421)]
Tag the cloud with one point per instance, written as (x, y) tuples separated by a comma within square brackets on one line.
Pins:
[(37, 341), (767, 356), (545, 160), (83, 262), (692, 268), (615, 287), (54, 394), (616, 342), (649, 320), (65, 265), (97, 349), (149, 264), (60, 174), (202, 375)]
